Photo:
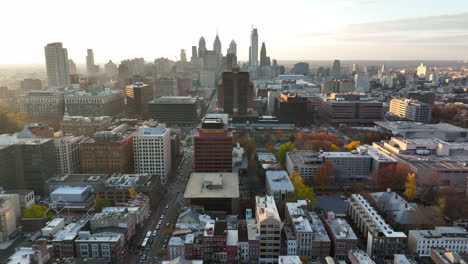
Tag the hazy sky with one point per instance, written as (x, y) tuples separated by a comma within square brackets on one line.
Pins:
[(294, 29)]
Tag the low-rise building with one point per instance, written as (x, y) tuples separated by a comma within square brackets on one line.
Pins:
[(107, 245), (382, 240), (411, 130), (214, 191), (99, 103), (176, 247), (7, 219), (312, 238), (358, 256), (428, 157), (411, 109), (84, 126), (268, 160), (121, 222), (350, 109), (63, 241), (454, 239), (444, 256), (402, 259), (289, 260), (279, 185), (37, 253), (73, 198), (53, 227), (342, 237), (395, 207)]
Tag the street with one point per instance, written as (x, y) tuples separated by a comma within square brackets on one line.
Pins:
[(167, 212)]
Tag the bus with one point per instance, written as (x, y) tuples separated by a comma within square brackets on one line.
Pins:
[(146, 240)]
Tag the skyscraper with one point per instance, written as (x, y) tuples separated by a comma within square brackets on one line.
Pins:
[(254, 48), (336, 69), (72, 67), (217, 45), (111, 69), (235, 94), (91, 68), (57, 65), (201, 47), (263, 57), (183, 55), (194, 52), (232, 48), (152, 150)]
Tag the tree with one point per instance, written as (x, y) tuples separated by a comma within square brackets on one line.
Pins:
[(100, 203), (304, 259), (301, 190), (250, 149), (410, 187), (37, 211), (357, 187), (283, 149), (323, 175), (162, 253), (353, 145), (393, 176), (132, 192), (270, 148)]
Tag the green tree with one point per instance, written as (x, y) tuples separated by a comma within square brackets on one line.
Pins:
[(283, 149), (410, 187), (37, 211), (357, 187), (302, 191), (100, 203)]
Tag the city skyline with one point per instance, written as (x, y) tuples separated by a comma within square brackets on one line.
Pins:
[(319, 30)]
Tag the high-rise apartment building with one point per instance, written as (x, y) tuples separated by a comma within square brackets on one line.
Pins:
[(336, 69), (67, 151), (174, 110), (108, 152), (213, 145), (7, 219), (269, 228), (361, 81), (254, 48), (152, 150), (56, 57), (235, 94), (411, 109), (138, 95), (293, 108)]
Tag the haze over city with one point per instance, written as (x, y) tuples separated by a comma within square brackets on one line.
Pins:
[(293, 30)]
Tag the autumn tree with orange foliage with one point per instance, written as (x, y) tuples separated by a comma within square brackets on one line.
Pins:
[(352, 145), (393, 176), (410, 187), (324, 173), (318, 141)]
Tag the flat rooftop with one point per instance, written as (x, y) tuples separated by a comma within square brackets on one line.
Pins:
[(417, 126), (279, 180), (174, 100), (341, 229), (70, 190), (305, 221), (212, 185)]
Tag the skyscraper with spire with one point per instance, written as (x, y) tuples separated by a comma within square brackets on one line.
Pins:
[(232, 48), (254, 48), (264, 60), (217, 45), (201, 47)]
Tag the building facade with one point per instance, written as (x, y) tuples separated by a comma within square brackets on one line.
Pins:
[(411, 109)]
